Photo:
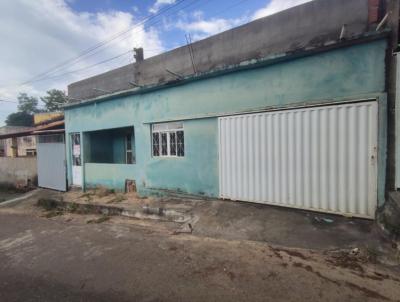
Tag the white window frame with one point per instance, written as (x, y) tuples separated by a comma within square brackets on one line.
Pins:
[(167, 128)]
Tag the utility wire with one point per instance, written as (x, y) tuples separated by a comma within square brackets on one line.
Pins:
[(82, 69), (81, 57), (114, 37), (120, 55), (78, 59)]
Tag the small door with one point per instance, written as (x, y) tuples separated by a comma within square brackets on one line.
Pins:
[(76, 159), (51, 162), (318, 158)]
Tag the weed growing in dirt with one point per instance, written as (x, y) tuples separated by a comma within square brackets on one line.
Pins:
[(118, 198), (47, 204), (99, 220), (54, 213)]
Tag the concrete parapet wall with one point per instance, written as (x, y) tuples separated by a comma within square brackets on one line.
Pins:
[(309, 25), (18, 171)]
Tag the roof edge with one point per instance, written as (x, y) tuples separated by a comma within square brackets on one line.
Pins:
[(244, 65)]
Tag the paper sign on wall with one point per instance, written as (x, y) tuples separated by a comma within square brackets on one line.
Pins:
[(77, 150)]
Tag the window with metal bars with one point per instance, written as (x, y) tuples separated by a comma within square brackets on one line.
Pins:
[(168, 140)]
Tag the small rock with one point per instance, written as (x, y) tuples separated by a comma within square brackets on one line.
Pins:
[(355, 251)]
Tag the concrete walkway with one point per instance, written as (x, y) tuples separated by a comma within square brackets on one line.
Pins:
[(16, 198), (230, 220)]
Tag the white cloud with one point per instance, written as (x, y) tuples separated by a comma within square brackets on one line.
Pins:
[(158, 4), (202, 28), (275, 6), (51, 32)]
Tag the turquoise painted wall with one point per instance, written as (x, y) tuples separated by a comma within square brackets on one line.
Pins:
[(348, 73)]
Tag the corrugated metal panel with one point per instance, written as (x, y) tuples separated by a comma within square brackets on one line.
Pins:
[(51, 163), (319, 158)]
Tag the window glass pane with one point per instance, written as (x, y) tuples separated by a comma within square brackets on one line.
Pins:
[(167, 126), (173, 126), (172, 143), (164, 144), (156, 144), (180, 143), (160, 127)]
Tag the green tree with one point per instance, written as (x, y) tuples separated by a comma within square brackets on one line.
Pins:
[(27, 104), (19, 119), (54, 100)]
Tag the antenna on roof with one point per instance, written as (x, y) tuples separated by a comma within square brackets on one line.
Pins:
[(73, 99), (134, 84), (189, 45), (343, 32), (177, 75), (383, 21)]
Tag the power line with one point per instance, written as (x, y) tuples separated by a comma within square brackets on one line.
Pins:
[(37, 78), (90, 49), (78, 59), (82, 69), (120, 55)]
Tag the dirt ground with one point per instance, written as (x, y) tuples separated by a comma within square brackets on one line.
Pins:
[(74, 257)]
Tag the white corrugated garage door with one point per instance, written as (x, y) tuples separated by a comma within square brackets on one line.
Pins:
[(318, 158)]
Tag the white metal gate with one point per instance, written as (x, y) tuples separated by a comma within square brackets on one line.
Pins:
[(317, 158), (51, 162)]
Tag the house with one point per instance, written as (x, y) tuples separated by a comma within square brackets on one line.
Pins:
[(294, 110), (20, 167), (19, 142), (17, 146), (17, 156)]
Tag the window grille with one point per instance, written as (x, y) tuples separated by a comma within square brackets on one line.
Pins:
[(168, 140), (52, 138)]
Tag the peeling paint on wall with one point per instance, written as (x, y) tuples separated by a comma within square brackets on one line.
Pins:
[(342, 73)]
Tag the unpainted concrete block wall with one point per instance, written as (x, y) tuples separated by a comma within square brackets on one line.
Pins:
[(309, 25), (18, 171)]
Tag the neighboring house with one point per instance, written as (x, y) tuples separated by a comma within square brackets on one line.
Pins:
[(18, 156), (291, 110), (48, 168), (17, 146), (46, 117)]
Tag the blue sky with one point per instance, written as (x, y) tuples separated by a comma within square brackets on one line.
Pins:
[(171, 36), (42, 34)]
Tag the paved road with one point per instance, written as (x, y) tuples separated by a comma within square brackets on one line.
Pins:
[(66, 259)]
